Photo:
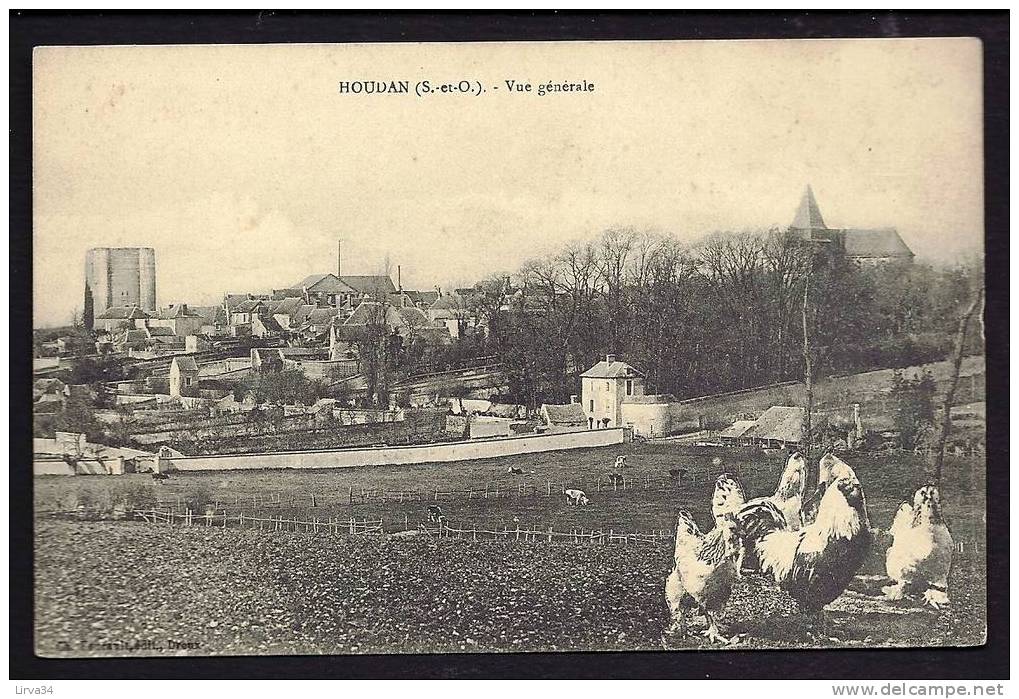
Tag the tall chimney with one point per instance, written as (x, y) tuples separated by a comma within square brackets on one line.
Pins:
[(610, 358), (399, 283), (339, 258)]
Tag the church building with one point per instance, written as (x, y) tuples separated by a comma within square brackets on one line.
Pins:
[(865, 246)]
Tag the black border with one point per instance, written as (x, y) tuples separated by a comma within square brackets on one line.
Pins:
[(29, 29)]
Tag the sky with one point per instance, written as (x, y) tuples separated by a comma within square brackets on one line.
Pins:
[(243, 165)]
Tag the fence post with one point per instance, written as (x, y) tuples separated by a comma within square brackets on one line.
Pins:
[(351, 526), (548, 488), (550, 535), (314, 503), (518, 532), (242, 520)]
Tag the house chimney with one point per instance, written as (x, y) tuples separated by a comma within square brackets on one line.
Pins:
[(610, 358)]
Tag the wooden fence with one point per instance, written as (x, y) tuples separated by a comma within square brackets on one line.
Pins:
[(576, 536)]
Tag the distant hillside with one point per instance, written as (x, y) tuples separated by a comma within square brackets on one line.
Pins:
[(870, 389)]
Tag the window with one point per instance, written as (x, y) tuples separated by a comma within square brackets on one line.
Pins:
[(629, 387), (187, 381), (592, 405), (608, 386)]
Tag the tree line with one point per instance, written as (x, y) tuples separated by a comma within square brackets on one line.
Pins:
[(721, 315)]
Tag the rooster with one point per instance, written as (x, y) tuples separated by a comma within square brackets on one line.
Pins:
[(920, 557), (814, 564), (787, 500), (829, 469), (728, 497), (703, 571)]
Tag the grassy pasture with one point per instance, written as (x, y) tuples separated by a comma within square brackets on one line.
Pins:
[(233, 591)]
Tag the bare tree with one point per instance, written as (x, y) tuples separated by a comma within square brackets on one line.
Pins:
[(957, 353)]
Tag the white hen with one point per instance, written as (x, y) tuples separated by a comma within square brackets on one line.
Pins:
[(920, 557)]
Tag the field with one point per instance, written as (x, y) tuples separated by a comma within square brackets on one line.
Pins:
[(115, 588)]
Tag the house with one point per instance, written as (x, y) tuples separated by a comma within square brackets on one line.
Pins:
[(119, 318), (604, 388), (286, 311), (179, 318), (454, 312), (246, 311), (329, 290), (569, 416), (265, 326), (214, 320), (864, 246), (183, 377)]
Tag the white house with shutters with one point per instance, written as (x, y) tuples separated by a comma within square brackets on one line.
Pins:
[(604, 389)]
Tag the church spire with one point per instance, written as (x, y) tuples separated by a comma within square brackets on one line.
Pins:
[(808, 215)]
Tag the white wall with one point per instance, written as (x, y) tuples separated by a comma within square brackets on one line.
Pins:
[(392, 456)]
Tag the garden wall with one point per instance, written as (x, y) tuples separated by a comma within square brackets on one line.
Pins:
[(391, 456)]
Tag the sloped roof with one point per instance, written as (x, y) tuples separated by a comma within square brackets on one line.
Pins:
[(122, 313), (280, 294), (737, 429), (326, 283), (808, 214), (448, 302), (212, 314), (135, 335), (422, 297), (569, 414), (875, 242), (301, 313), (248, 306), (779, 422), (270, 324), (185, 363), (288, 306), (370, 284), (362, 314), (615, 370), (157, 331), (320, 316), (234, 300)]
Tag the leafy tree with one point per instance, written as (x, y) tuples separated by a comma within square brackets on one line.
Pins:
[(914, 414)]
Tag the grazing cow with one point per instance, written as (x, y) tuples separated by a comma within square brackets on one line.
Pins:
[(435, 515), (516, 471), (576, 497), (160, 477), (620, 462)]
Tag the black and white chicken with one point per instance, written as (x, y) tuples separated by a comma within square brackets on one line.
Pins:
[(703, 571), (815, 563), (920, 557), (787, 500)]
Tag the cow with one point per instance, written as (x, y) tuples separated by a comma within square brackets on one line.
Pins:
[(620, 462), (160, 477), (435, 515), (516, 471), (576, 497)]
